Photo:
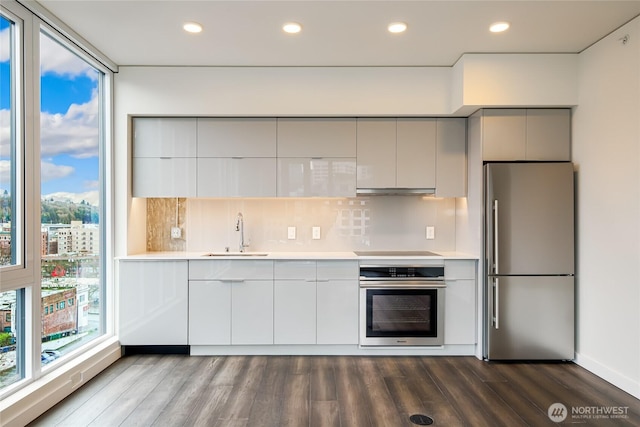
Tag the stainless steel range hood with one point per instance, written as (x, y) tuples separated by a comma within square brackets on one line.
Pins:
[(395, 191)]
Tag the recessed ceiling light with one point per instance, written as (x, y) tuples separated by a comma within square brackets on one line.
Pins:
[(192, 27), (498, 27), (292, 27), (397, 27)]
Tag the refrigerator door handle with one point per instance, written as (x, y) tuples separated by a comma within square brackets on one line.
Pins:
[(496, 303), (495, 236)]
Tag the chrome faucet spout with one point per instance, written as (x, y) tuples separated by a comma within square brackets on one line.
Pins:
[(240, 228)]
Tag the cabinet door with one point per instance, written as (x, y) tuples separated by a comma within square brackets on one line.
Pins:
[(236, 137), (236, 177), (451, 163), (337, 317), (337, 302), (153, 302), (376, 159), (416, 153), (164, 177), (164, 137), (504, 134), (316, 137), (209, 313), (316, 177), (295, 311), (252, 312), (460, 312), (549, 134)]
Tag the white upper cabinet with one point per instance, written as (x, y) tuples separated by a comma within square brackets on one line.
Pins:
[(316, 157), (164, 157), (164, 137), (236, 137), (416, 153), (316, 137), (236, 177), (451, 157), (526, 134), (396, 153), (236, 157)]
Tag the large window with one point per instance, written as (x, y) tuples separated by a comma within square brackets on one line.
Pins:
[(53, 221), (70, 147)]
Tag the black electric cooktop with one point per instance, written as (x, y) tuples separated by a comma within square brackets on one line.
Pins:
[(395, 253)]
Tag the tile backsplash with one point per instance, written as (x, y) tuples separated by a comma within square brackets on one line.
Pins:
[(376, 223)]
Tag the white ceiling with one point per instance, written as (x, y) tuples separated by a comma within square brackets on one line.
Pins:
[(335, 33)]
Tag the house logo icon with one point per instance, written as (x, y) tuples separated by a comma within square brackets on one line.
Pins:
[(557, 412)]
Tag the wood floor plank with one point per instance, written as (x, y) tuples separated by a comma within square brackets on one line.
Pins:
[(189, 398), (466, 393), (383, 410), (243, 393), (354, 409), (127, 402), (267, 406), (295, 404), (324, 414), (63, 410), (322, 380), (147, 411)]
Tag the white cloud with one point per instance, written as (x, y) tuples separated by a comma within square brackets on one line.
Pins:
[(74, 133), (5, 172), (54, 58), (4, 45), (92, 197), (50, 171), (5, 133)]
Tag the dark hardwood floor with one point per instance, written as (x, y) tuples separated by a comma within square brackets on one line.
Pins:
[(339, 391)]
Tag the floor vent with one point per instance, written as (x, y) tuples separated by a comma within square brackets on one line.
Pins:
[(421, 420)]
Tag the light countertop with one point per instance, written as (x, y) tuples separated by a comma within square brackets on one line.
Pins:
[(275, 255)]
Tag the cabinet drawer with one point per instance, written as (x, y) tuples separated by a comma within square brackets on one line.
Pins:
[(230, 270), (338, 270), (459, 269), (304, 270)]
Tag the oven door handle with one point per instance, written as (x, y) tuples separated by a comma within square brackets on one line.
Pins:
[(375, 284)]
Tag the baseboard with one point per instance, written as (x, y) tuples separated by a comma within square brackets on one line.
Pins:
[(30, 402), (619, 380), (129, 350)]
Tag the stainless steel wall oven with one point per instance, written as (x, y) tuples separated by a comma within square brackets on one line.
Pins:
[(401, 305)]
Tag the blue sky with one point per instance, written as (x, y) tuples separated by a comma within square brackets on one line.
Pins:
[(69, 120)]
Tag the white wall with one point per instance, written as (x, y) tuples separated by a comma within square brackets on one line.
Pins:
[(606, 151)]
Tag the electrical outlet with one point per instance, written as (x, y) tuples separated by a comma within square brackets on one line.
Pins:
[(315, 233), (431, 232), (291, 233), (176, 232)]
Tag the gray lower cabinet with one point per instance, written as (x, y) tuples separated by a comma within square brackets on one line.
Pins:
[(460, 302), (246, 302), (230, 302), (153, 302)]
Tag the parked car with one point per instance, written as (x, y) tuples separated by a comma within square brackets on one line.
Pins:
[(52, 353)]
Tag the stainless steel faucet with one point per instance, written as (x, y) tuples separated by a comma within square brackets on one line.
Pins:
[(240, 228)]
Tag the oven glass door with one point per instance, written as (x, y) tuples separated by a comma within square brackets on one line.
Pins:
[(402, 313)]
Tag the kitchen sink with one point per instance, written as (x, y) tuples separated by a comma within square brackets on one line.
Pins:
[(234, 254)]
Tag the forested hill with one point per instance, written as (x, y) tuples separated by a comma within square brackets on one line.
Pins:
[(56, 211)]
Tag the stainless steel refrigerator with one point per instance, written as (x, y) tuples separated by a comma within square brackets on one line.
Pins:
[(529, 261)]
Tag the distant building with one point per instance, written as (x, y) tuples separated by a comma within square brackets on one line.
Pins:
[(79, 238), (59, 313)]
